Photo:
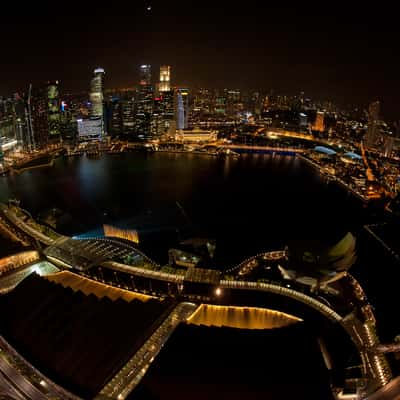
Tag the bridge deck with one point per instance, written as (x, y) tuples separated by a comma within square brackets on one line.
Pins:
[(133, 371)]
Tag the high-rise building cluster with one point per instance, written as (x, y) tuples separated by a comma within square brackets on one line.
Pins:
[(378, 135), (31, 121), (155, 109), (145, 113), (38, 118)]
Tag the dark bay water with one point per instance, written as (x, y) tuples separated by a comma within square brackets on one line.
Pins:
[(220, 363), (252, 204), (248, 205)]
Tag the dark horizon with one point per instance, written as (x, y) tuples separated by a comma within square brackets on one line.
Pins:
[(346, 54)]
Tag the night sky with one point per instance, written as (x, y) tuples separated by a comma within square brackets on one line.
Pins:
[(330, 50)]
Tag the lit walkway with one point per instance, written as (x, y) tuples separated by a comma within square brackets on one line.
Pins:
[(132, 373), (12, 263), (29, 230), (11, 279), (26, 379)]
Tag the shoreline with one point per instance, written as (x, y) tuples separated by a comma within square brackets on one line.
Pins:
[(238, 151), (337, 180), (19, 171)]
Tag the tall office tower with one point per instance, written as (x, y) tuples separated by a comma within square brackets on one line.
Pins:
[(97, 98), (220, 103), (28, 142), (168, 105), (128, 116), (203, 104), (20, 123), (145, 75), (388, 145), (372, 135), (115, 114), (96, 93), (165, 79), (182, 109), (53, 108), (145, 92), (163, 115), (232, 102), (37, 118), (319, 124), (7, 120), (256, 103), (157, 126), (68, 124), (144, 104)]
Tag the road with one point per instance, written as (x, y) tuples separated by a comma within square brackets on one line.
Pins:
[(28, 391)]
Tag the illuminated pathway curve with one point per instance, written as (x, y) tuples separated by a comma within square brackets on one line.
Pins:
[(101, 260)]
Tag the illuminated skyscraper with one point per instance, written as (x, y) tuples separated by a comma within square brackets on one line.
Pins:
[(7, 121), (319, 124), (373, 124), (128, 116), (53, 108), (144, 104), (145, 93), (115, 116), (97, 97), (20, 122), (165, 78), (182, 109), (37, 122), (145, 75), (388, 145)]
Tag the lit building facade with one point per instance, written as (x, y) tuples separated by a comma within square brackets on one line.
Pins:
[(388, 145), (165, 78), (90, 129), (115, 116), (182, 113), (53, 108), (164, 104), (37, 118), (20, 122), (128, 116), (373, 131), (319, 124), (144, 104), (97, 96), (196, 136), (145, 75), (7, 120)]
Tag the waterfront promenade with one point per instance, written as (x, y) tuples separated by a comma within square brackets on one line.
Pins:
[(100, 260)]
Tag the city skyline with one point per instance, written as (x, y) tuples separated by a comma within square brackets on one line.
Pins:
[(345, 54), (199, 200)]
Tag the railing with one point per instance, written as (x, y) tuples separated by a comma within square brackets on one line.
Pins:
[(32, 376), (132, 373), (268, 287), (281, 253), (147, 273), (14, 262), (26, 227)]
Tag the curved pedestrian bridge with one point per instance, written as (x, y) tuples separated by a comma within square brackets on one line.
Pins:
[(107, 262)]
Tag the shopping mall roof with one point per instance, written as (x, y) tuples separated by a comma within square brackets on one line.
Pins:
[(325, 150), (352, 155)]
